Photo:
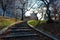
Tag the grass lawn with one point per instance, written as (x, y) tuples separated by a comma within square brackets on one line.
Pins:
[(4, 22), (36, 22)]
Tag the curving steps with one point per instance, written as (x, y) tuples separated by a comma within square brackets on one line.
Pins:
[(22, 31)]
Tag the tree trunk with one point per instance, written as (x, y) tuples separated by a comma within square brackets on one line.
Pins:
[(16, 17), (49, 17), (4, 14), (22, 14)]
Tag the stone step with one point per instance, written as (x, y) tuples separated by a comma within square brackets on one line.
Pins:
[(19, 30), (20, 27), (18, 35), (23, 32)]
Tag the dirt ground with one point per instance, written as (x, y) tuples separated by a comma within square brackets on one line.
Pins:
[(52, 28)]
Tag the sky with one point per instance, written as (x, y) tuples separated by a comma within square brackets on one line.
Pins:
[(34, 4), (31, 2)]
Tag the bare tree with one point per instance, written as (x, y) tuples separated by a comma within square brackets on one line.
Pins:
[(55, 12), (56, 8), (3, 4), (23, 7), (47, 3)]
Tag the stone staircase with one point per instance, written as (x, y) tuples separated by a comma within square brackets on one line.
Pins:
[(22, 31)]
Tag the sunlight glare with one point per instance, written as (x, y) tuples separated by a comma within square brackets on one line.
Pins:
[(28, 13)]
